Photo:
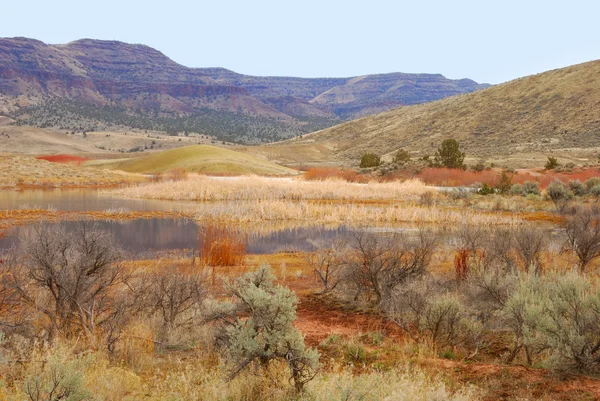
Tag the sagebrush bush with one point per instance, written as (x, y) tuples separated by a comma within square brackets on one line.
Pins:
[(370, 160), (531, 188), (595, 190), (517, 189), (578, 188), (592, 182), (558, 192), (259, 328)]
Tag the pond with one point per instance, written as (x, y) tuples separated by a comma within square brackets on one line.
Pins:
[(147, 236), (144, 236)]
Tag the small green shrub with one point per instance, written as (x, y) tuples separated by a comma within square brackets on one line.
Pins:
[(578, 188), (401, 157), (517, 189), (504, 183), (531, 188), (486, 190), (595, 190), (356, 353), (592, 182), (370, 160), (558, 192)]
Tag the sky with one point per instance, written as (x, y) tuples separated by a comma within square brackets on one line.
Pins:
[(488, 41)]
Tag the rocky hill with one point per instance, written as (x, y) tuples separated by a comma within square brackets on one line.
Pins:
[(552, 113), (92, 85)]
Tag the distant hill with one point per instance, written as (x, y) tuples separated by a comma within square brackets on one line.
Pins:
[(199, 159), (94, 85), (556, 112)]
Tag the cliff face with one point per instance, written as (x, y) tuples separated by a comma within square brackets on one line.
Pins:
[(140, 78)]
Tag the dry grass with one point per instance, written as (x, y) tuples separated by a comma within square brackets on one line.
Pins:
[(200, 188), (311, 213), (27, 171)]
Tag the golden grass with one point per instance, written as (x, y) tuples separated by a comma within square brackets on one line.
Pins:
[(312, 213), (18, 171), (201, 188)]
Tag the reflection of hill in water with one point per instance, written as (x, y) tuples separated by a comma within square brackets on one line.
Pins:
[(143, 235)]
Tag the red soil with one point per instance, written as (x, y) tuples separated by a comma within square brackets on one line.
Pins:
[(63, 158), (319, 317)]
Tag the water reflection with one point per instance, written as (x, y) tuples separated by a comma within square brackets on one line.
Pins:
[(151, 235)]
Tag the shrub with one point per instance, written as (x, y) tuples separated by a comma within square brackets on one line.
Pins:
[(592, 182), (479, 166), (326, 265), (583, 234), (175, 295), (595, 190), (449, 155), (578, 188), (374, 266), (259, 328), (558, 192), (504, 183), (551, 164), (221, 246), (60, 377), (517, 189), (75, 279), (571, 324), (531, 188), (401, 157), (370, 160), (427, 311), (486, 190)]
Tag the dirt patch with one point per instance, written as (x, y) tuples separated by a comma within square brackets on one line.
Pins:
[(63, 158), (318, 317)]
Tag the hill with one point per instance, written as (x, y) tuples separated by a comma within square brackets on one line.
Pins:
[(94, 85), (519, 122), (199, 159)]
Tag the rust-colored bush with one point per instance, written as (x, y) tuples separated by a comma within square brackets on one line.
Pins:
[(324, 173), (219, 245)]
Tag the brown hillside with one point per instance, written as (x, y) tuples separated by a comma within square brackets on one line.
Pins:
[(556, 111)]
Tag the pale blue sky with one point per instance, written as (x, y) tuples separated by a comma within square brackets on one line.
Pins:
[(489, 41)]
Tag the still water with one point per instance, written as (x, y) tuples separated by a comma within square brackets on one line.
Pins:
[(142, 236)]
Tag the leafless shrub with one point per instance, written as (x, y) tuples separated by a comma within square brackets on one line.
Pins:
[(71, 278), (529, 244), (327, 264), (375, 265), (427, 310), (175, 295), (583, 234)]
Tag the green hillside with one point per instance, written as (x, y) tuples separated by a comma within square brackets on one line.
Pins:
[(198, 159)]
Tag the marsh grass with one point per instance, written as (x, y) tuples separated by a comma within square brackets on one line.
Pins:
[(202, 188)]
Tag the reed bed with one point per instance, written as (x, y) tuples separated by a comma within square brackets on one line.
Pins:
[(202, 188), (357, 214)]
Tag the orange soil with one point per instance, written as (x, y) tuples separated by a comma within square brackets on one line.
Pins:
[(63, 158)]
